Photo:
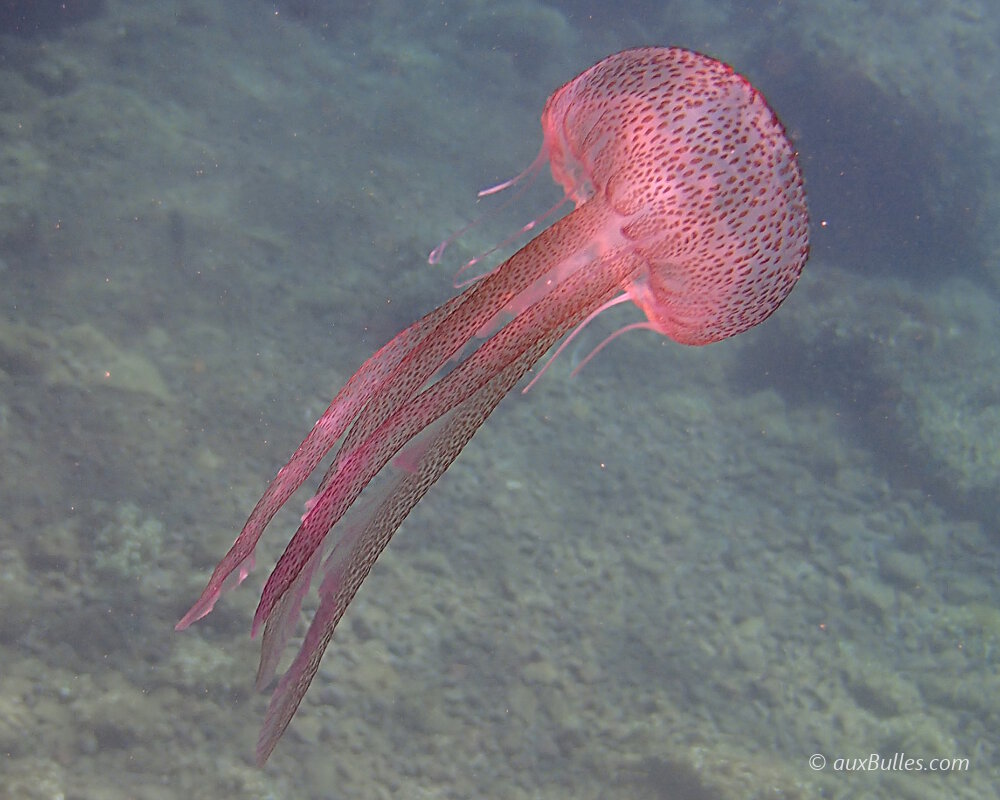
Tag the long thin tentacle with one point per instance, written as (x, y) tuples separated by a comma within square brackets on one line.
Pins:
[(347, 570), (352, 566), (342, 410)]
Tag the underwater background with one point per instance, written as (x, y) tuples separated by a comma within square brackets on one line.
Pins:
[(683, 573)]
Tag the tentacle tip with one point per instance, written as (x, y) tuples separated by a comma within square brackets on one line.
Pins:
[(258, 621), (202, 608), (270, 734), (263, 753), (262, 680), (436, 253)]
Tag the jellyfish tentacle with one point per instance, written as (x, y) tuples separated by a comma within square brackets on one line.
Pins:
[(342, 583), (521, 344), (539, 326), (282, 622), (343, 409), (528, 175), (614, 301)]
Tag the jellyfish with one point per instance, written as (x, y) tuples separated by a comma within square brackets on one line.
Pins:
[(688, 202)]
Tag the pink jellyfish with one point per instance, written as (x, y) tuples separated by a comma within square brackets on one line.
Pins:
[(688, 202)]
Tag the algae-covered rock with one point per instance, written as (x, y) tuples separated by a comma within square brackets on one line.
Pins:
[(23, 171), (86, 357), (57, 545), (127, 547), (24, 350), (904, 570), (963, 433), (530, 32), (375, 674), (922, 733), (79, 356), (15, 717), (868, 594), (881, 692), (122, 716), (977, 621), (204, 665), (633, 756), (33, 779), (18, 592), (949, 412)]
